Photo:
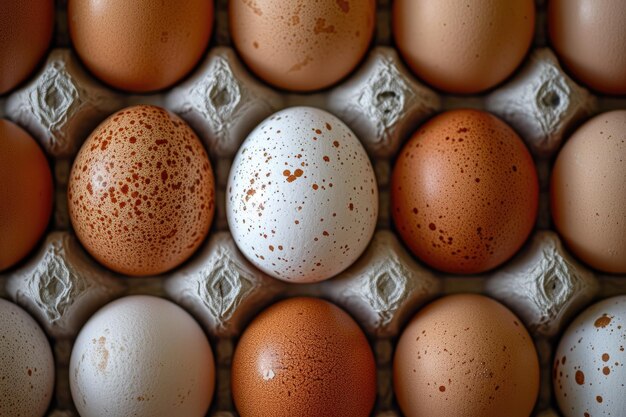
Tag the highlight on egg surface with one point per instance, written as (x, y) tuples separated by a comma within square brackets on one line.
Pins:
[(141, 194), (302, 198), (303, 357), (588, 192), (140, 45), (466, 355), (26, 28), (464, 192), (588, 370), (463, 46), (590, 40), (302, 45), (26, 364), (142, 356), (26, 193)]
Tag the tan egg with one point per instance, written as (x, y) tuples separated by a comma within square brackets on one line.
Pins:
[(25, 33), (464, 192), (302, 45), (463, 46), (303, 357), (466, 356), (588, 192), (590, 39), (141, 194), (140, 45), (25, 193)]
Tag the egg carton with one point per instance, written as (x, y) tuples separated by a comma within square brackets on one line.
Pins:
[(383, 103)]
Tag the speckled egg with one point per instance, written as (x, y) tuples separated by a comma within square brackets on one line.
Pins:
[(464, 192), (588, 192), (466, 355), (142, 356), (589, 374), (141, 192), (302, 200), (303, 357), (302, 45), (26, 364)]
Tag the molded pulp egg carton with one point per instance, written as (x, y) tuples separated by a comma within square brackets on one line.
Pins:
[(62, 286)]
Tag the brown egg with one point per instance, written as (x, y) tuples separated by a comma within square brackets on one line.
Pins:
[(25, 193), (463, 46), (464, 192), (140, 45), (302, 45), (588, 192), (589, 37), (141, 192), (466, 356), (25, 34), (303, 357)]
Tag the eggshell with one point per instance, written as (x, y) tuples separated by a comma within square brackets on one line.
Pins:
[(302, 45), (303, 357), (25, 33), (25, 193), (142, 356), (588, 373), (590, 39), (140, 45), (466, 356), (588, 192), (26, 364), (141, 194), (464, 192), (302, 199), (463, 46)]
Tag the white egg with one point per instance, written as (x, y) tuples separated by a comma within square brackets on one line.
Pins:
[(589, 375), (26, 364), (142, 356), (302, 198)]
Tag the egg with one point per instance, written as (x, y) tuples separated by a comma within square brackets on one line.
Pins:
[(303, 357), (302, 45), (463, 46), (590, 39), (141, 193), (302, 200), (140, 45), (588, 373), (588, 192), (466, 356), (25, 34), (25, 193), (142, 356), (26, 364), (464, 192)]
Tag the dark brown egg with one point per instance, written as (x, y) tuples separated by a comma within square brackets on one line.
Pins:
[(141, 192), (464, 192), (303, 357)]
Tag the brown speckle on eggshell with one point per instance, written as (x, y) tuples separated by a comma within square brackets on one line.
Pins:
[(141, 192)]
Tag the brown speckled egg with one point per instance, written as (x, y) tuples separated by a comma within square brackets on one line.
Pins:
[(466, 355), (302, 45), (140, 45), (25, 193), (303, 357), (464, 192), (588, 372), (141, 192)]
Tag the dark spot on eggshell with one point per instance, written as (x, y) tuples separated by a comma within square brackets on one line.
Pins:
[(580, 377), (144, 202)]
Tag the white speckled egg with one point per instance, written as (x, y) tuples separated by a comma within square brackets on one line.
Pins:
[(589, 374), (142, 356), (26, 364), (302, 198)]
